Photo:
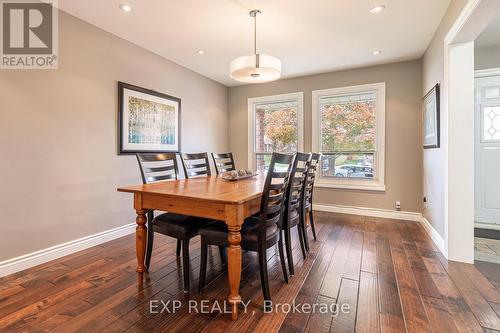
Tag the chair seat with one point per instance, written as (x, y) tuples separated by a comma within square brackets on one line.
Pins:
[(178, 225), (216, 233)]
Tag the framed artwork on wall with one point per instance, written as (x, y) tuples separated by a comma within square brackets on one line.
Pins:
[(431, 126), (148, 121)]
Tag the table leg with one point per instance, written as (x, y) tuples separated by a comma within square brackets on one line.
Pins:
[(140, 243), (234, 268)]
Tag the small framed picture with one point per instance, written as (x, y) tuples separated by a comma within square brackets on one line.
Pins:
[(431, 118), (148, 121)]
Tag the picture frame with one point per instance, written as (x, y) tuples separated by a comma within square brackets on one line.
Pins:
[(431, 119), (148, 121)]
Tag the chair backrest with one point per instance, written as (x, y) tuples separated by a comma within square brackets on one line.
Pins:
[(195, 165), (311, 176), (157, 167), (223, 162), (296, 185), (273, 194)]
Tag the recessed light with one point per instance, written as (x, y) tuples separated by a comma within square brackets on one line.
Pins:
[(200, 52), (376, 52), (125, 8), (377, 9)]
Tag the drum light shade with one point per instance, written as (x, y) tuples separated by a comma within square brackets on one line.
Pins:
[(256, 68)]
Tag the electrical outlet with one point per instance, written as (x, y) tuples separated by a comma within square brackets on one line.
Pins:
[(398, 205)]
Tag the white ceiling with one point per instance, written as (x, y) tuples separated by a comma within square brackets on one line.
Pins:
[(490, 36), (309, 36)]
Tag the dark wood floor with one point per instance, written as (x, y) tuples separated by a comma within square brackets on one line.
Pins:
[(389, 273)]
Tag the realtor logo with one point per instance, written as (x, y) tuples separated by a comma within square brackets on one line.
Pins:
[(29, 35)]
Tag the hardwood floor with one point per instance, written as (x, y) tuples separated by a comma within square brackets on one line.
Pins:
[(388, 274)]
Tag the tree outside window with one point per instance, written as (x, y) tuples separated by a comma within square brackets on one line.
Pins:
[(348, 135)]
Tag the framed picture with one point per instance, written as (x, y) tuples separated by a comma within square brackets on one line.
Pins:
[(431, 118), (148, 121)]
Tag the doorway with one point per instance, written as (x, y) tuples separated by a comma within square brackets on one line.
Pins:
[(487, 149), (458, 87), (487, 144)]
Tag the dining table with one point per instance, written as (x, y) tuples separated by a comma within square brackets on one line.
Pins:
[(209, 197)]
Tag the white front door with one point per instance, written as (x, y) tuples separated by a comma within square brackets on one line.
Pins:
[(487, 150)]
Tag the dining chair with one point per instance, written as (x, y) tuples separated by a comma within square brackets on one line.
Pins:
[(308, 196), (195, 164), (293, 213), (163, 167), (260, 232), (223, 162)]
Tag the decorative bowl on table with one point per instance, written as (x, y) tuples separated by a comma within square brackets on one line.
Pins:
[(238, 174)]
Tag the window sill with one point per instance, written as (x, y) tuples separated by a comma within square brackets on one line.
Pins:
[(362, 187)]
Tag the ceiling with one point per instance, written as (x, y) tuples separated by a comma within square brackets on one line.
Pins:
[(490, 36), (309, 36)]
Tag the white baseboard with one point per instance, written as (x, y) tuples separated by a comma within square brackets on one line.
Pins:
[(26, 261), (486, 226), (374, 212), (17, 264), (389, 214), (434, 235)]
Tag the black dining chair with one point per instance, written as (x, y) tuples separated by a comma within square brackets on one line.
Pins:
[(223, 162), (308, 196), (293, 213), (260, 232), (195, 164), (163, 167)]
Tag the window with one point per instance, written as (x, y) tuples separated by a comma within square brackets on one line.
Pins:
[(275, 125), (349, 130)]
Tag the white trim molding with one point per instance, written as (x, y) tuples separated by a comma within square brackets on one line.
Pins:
[(388, 214), (253, 101), (487, 72), (378, 182), (486, 226), (434, 235), (373, 212), (29, 260)]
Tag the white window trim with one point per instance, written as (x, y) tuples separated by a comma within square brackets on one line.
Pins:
[(299, 96), (377, 184)]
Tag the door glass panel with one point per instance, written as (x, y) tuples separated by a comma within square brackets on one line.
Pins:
[(491, 92), (491, 123)]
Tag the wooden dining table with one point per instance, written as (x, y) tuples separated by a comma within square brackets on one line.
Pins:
[(209, 197)]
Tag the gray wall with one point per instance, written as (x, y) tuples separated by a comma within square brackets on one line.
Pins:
[(60, 168), (435, 159), (488, 57), (403, 144)]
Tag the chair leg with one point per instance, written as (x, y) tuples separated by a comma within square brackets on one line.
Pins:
[(264, 280), (222, 252), (203, 266), (185, 263), (282, 257), (301, 239), (304, 231), (178, 250), (150, 239), (289, 254), (311, 221)]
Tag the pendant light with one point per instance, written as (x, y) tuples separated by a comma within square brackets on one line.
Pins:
[(255, 68)]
